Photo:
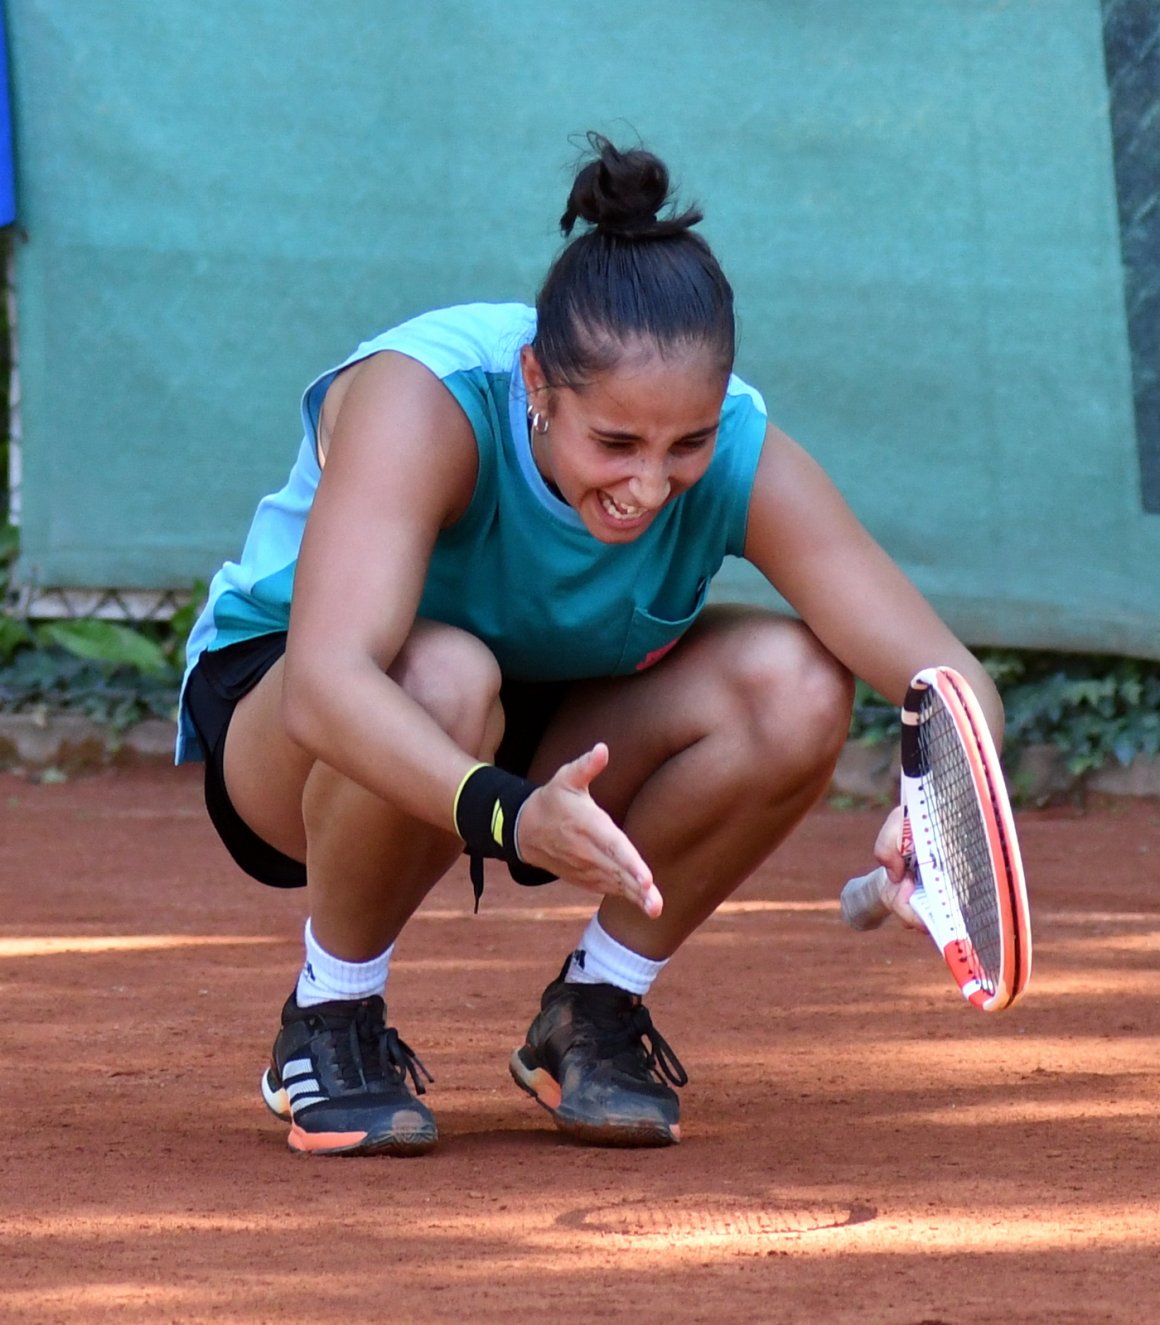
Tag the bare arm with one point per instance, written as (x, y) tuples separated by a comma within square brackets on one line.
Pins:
[(856, 600), (809, 544), (400, 464)]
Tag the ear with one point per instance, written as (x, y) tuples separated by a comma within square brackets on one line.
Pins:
[(534, 380)]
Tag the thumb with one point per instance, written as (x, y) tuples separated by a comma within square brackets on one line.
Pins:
[(582, 772)]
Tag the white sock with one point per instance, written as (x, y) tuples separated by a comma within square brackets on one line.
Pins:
[(600, 960), (325, 978)]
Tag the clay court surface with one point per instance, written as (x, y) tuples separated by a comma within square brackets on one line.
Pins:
[(859, 1144)]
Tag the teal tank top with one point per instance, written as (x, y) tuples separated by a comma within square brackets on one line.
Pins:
[(518, 569)]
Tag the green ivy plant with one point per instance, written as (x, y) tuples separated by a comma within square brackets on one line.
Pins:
[(115, 674), (1095, 709)]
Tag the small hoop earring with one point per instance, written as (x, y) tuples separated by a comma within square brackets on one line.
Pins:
[(538, 421)]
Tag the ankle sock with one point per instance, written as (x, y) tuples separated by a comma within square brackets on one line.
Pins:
[(325, 978), (600, 959)]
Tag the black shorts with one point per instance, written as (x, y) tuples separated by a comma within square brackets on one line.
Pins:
[(220, 679), (223, 676)]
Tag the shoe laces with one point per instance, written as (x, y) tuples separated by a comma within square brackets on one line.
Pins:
[(661, 1057), (371, 1053), (620, 1032)]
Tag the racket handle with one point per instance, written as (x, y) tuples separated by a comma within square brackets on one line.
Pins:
[(862, 904)]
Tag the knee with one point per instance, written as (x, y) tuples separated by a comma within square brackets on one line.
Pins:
[(794, 695), (455, 678)]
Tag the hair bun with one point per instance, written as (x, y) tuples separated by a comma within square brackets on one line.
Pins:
[(623, 193)]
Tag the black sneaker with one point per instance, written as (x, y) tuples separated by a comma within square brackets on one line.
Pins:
[(587, 1063), (338, 1076)]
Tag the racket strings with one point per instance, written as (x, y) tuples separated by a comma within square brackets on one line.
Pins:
[(959, 839)]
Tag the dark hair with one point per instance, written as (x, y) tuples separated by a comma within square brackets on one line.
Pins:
[(633, 275)]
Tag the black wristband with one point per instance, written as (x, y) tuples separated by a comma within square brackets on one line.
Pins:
[(486, 807)]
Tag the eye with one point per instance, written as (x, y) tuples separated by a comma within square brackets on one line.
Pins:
[(614, 445), (691, 445)]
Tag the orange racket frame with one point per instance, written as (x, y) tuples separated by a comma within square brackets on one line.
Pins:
[(936, 899)]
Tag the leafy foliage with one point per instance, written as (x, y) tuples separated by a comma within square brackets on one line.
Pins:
[(105, 642), (113, 673), (52, 680), (874, 721), (1095, 709), (13, 635)]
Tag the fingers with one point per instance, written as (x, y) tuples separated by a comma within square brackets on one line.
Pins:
[(643, 892), (582, 772), (897, 897), (613, 876), (888, 846), (888, 852), (563, 829), (651, 902), (621, 873)]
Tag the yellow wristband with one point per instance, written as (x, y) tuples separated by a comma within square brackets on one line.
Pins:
[(459, 792)]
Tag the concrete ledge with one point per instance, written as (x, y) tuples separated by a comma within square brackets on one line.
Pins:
[(1140, 778), (1038, 776), (70, 742), (867, 772), (32, 743)]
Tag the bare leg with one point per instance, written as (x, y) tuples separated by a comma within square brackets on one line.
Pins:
[(368, 864), (716, 754)]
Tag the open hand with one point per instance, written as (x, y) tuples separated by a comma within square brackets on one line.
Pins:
[(562, 829)]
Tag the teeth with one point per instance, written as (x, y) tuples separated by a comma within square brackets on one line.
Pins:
[(617, 511)]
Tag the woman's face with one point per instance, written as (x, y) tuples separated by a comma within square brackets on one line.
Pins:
[(621, 447)]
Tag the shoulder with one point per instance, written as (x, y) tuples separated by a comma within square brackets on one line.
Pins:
[(392, 427), (744, 418), (739, 394), (453, 344), (469, 349), (487, 337), (741, 436)]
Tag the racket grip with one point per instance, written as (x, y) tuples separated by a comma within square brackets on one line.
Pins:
[(861, 900)]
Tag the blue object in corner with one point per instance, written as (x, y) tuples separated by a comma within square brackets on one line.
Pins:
[(7, 189)]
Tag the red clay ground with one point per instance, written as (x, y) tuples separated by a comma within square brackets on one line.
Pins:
[(859, 1144)]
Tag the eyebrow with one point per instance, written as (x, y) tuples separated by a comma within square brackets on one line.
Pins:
[(612, 435)]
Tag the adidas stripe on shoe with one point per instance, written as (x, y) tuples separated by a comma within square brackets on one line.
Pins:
[(339, 1076)]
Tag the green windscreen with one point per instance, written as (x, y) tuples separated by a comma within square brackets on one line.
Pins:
[(918, 202)]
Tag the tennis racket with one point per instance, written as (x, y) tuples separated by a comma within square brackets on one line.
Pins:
[(959, 840)]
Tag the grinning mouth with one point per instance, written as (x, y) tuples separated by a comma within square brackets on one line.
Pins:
[(619, 512)]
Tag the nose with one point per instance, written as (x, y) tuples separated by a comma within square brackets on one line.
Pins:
[(650, 487)]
